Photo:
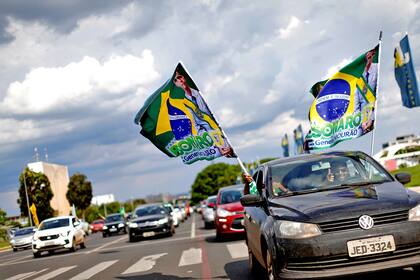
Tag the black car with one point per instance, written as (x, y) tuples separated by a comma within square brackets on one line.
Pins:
[(150, 220), (114, 224), (332, 214)]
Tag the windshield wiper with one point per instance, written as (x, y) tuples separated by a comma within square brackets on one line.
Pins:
[(321, 189), (366, 183)]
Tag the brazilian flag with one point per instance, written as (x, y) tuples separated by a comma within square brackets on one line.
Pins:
[(344, 104), (177, 120), (285, 146)]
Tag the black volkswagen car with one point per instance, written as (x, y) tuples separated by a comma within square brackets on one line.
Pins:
[(332, 214), (114, 224), (150, 220)]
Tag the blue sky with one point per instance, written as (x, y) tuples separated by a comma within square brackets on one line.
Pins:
[(74, 74)]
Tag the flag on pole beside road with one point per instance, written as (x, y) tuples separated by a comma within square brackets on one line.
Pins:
[(34, 215), (344, 104), (406, 75), (178, 121), (285, 146), (299, 139)]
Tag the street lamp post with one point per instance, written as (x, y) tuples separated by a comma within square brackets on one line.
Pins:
[(27, 200)]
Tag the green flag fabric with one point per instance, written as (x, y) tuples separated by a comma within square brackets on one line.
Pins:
[(344, 104), (177, 120)]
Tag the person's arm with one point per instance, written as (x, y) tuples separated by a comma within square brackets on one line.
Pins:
[(250, 187)]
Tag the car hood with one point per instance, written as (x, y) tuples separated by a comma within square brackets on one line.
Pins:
[(22, 237), (232, 207), (52, 231), (143, 219), (341, 203)]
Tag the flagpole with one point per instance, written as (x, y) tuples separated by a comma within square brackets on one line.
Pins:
[(376, 93), (223, 132)]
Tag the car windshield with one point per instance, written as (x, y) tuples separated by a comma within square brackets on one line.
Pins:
[(57, 223), (229, 196), (98, 222), (24, 231), (211, 200), (150, 210), (325, 172), (113, 218)]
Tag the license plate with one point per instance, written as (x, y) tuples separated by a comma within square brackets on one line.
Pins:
[(112, 229), (49, 243), (369, 246), (148, 234)]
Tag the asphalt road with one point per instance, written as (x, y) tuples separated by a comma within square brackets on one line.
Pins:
[(192, 253)]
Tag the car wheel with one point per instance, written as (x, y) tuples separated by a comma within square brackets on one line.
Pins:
[(14, 249), (206, 225), (253, 264), (132, 238), (104, 235), (416, 269), (219, 236), (37, 254), (82, 245), (73, 246), (270, 267)]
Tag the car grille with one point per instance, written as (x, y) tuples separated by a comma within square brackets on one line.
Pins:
[(353, 223), (48, 237), (345, 261)]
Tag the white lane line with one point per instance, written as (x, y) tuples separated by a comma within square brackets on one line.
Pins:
[(193, 227), (237, 250), (54, 273), (190, 256), (26, 275), (144, 264), (105, 245), (93, 270), (16, 259)]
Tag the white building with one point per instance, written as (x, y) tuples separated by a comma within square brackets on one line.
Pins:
[(405, 150), (101, 199)]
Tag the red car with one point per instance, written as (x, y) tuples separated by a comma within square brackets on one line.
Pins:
[(96, 225), (229, 212)]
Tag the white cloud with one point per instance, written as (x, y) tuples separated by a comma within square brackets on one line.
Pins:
[(293, 24), (335, 68), (51, 89), (230, 118)]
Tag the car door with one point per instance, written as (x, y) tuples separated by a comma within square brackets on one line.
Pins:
[(77, 229)]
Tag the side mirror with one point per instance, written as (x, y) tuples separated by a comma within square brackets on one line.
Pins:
[(35, 229), (251, 200), (76, 224), (403, 178)]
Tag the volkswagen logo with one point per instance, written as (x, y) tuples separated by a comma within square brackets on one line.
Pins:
[(366, 222)]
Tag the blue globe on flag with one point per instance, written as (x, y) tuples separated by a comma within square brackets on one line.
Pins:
[(333, 100)]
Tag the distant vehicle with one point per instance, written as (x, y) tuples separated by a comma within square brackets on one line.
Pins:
[(150, 220), (178, 214), (229, 211), (22, 238), (85, 226), (174, 216), (114, 224), (330, 215), (208, 211), (97, 225), (58, 233)]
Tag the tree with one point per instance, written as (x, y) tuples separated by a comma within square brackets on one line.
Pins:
[(3, 215), (79, 192), (212, 178), (39, 193)]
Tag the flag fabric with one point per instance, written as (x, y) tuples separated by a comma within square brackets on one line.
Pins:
[(405, 74), (344, 104), (285, 146), (178, 121), (34, 215), (299, 139)]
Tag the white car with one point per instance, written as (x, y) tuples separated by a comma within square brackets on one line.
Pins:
[(58, 233)]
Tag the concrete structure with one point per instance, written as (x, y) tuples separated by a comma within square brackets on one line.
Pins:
[(101, 199), (58, 175), (404, 150)]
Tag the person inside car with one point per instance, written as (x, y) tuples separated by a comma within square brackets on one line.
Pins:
[(338, 173)]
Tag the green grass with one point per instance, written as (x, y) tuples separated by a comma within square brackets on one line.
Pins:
[(415, 175), (4, 244)]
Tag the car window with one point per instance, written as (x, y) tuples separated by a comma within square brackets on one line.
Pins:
[(24, 231), (57, 223), (150, 210), (113, 218), (229, 196), (324, 172)]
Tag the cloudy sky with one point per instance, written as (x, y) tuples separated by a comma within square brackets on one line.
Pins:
[(73, 74)]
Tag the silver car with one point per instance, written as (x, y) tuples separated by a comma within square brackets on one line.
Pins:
[(22, 238), (208, 212)]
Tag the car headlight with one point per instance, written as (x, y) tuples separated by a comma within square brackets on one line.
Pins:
[(64, 234), (223, 213), (414, 214), (35, 238), (120, 225), (133, 225), (12, 241), (295, 230), (104, 227), (163, 221)]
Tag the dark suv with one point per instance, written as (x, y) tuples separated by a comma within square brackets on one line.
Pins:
[(332, 214), (114, 224)]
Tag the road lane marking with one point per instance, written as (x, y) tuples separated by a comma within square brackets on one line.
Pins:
[(105, 245), (26, 275), (144, 264), (190, 257), (93, 270), (193, 227), (237, 250), (55, 273), (16, 259)]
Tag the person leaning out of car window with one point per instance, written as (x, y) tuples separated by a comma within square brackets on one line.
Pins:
[(250, 186)]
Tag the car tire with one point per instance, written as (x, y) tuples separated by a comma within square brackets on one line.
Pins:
[(104, 235), (15, 249), (73, 246), (82, 245), (37, 255), (270, 268), (219, 236), (253, 264), (132, 238), (206, 225)]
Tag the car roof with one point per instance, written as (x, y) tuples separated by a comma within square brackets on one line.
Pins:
[(312, 157)]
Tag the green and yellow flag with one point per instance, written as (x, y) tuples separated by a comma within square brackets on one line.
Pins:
[(344, 104), (34, 215), (177, 120)]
